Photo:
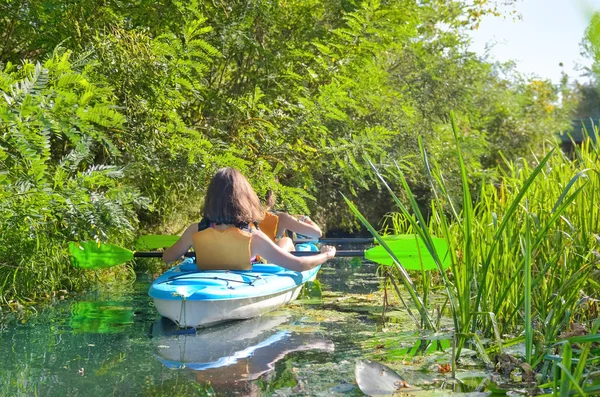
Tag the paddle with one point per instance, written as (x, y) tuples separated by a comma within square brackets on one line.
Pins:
[(155, 241), (413, 256)]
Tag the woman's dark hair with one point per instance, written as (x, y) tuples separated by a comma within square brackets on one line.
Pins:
[(231, 200), (270, 199)]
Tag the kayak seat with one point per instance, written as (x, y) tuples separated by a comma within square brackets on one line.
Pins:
[(307, 247)]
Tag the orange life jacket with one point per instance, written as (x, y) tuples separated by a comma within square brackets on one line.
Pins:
[(227, 249), (269, 225)]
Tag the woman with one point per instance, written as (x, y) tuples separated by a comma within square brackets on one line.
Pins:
[(227, 236), (275, 223)]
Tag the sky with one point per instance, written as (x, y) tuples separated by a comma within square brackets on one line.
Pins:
[(548, 32)]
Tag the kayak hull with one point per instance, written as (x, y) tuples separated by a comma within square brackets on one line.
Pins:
[(193, 298), (206, 313)]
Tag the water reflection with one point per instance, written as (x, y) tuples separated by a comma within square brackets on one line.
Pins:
[(100, 317), (231, 356)]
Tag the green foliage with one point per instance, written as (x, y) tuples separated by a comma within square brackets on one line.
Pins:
[(591, 42), (204, 85), (294, 94), (56, 181), (159, 80)]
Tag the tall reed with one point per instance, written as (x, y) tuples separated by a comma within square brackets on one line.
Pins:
[(521, 254)]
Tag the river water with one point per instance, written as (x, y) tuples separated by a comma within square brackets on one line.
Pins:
[(117, 345)]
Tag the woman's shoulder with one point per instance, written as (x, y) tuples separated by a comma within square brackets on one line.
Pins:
[(194, 227)]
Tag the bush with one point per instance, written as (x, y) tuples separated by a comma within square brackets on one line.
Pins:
[(57, 183)]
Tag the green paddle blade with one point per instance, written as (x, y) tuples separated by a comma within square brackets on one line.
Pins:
[(91, 255), (155, 241), (411, 252)]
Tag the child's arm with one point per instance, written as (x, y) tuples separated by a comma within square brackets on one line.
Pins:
[(304, 225), (263, 246)]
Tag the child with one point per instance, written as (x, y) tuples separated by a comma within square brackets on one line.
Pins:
[(227, 236), (276, 223)]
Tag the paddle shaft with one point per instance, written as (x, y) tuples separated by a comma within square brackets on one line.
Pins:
[(345, 254), (342, 240), (163, 241)]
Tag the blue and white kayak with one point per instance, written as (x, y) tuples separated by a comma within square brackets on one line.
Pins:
[(200, 298)]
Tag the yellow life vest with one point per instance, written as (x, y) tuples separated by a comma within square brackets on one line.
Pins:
[(227, 249), (269, 225)]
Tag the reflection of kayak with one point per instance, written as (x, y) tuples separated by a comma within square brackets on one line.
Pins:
[(194, 298), (238, 351), (214, 347)]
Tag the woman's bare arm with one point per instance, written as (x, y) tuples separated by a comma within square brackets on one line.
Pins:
[(305, 227), (182, 245)]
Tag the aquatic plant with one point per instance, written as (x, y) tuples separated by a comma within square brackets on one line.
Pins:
[(522, 251), (571, 366)]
